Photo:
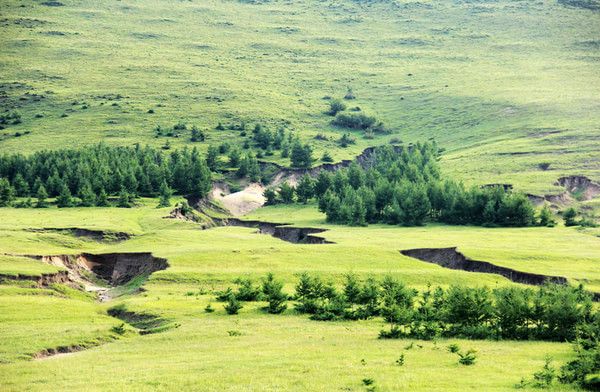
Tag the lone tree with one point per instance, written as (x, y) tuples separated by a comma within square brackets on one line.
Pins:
[(301, 155)]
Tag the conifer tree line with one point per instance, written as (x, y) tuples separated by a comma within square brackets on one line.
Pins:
[(91, 174), (549, 312), (404, 186)]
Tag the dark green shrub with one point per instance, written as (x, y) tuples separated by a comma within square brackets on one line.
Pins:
[(273, 292), (247, 291), (327, 158), (233, 305), (354, 121), (223, 296), (468, 358), (546, 218), (119, 329), (346, 140), (335, 106), (400, 360), (569, 217), (546, 376), (286, 193)]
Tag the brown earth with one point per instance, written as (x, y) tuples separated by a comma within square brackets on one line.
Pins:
[(453, 259), (296, 235)]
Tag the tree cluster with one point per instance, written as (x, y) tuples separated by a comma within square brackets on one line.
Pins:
[(270, 290), (90, 174), (550, 312), (264, 142), (404, 186)]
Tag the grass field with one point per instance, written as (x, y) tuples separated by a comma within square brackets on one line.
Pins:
[(503, 86), (286, 352), (508, 89)]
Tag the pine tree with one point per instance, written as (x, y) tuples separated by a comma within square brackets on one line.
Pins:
[(212, 156), (270, 196), (64, 198), (165, 195), (87, 196), (130, 183), (233, 305), (7, 193), (41, 195), (323, 183), (272, 289), (53, 184), (305, 189), (199, 177), (124, 199), (301, 155), (355, 176), (569, 217), (21, 186), (352, 289), (253, 168), (546, 217), (327, 158), (197, 135), (286, 193), (102, 199), (234, 157), (358, 214)]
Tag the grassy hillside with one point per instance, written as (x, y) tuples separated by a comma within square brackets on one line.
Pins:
[(504, 86)]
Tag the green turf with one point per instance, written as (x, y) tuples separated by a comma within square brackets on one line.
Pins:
[(286, 352)]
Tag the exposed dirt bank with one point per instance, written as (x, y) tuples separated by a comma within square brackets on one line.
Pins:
[(251, 197), (59, 351), (95, 272), (293, 176), (120, 268), (582, 188), (145, 323), (95, 235), (453, 259), (238, 203), (41, 281), (296, 235), (577, 188)]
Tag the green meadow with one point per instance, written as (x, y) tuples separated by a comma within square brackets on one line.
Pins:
[(273, 352), (508, 90)]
